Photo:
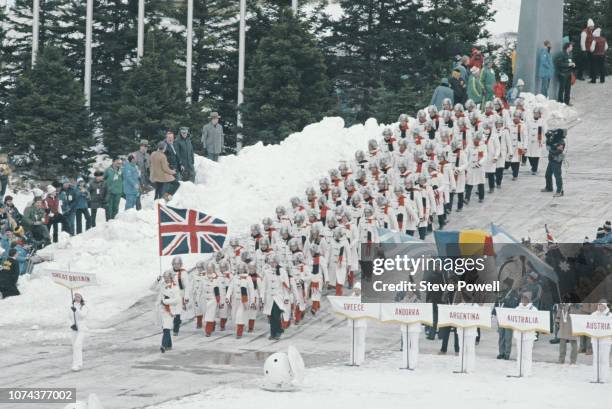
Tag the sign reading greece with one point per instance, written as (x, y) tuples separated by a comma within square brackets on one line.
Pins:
[(523, 320), (407, 313), (352, 307), (592, 325), (72, 279), (464, 316)]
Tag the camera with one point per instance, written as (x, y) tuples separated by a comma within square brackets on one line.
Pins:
[(555, 136)]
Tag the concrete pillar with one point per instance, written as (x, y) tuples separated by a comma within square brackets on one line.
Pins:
[(540, 20)]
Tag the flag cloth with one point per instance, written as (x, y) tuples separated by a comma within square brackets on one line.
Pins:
[(183, 231), (507, 246), (463, 243), (549, 237)]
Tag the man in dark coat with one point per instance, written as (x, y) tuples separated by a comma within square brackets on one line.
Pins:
[(184, 150), (9, 274), (509, 298), (564, 66), (459, 87), (172, 154)]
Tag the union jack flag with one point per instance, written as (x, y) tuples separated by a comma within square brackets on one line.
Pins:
[(184, 231)]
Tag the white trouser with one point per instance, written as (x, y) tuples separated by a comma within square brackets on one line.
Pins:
[(410, 348), (358, 346), (467, 347), (601, 353), (526, 349), (77, 349)]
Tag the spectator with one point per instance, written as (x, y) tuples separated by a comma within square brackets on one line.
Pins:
[(564, 66), (143, 163), (599, 46), (34, 221), (500, 88), (9, 275), (171, 154), (515, 91), (586, 40), (184, 149), (564, 322), (114, 187), (442, 92), (97, 196), (161, 173), (54, 212), (81, 206), (212, 137), (487, 78), (475, 88), (68, 199), (131, 182), (545, 68), (461, 65), (5, 172), (458, 86), (476, 59), (11, 209)]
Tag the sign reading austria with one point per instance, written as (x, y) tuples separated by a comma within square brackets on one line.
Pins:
[(592, 325), (523, 320), (352, 307), (407, 313), (464, 316)]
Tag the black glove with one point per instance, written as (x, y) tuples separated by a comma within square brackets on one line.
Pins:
[(73, 308), (74, 327)]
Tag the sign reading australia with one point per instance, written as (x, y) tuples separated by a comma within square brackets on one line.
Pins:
[(482, 272)]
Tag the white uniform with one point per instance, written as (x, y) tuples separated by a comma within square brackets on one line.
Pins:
[(524, 342), (195, 296), (476, 157), (78, 336), (601, 352), (505, 146), (211, 296), (518, 136), (460, 164), (275, 290), (493, 153), (241, 296), (338, 263), (536, 142)]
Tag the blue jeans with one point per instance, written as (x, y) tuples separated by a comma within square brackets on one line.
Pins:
[(70, 218), (544, 86), (130, 201)]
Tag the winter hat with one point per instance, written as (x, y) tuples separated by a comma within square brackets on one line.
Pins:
[(601, 233), (64, 180), (503, 78), (50, 190), (444, 81), (98, 173), (597, 32), (607, 226), (37, 192), (8, 198), (520, 83), (474, 70), (590, 23)]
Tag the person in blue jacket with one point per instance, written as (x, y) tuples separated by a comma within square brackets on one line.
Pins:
[(8, 242), (81, 206), (131, 182), (68, 198), (546, 68)]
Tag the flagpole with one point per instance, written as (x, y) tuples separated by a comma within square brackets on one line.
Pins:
[(141, 13), (35, 25), (159, 252), (241, 52), (88, 32), (189, 49)]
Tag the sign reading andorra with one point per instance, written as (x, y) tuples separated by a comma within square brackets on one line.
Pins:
[(407, 313), (352, 307), (592, 325), (464, 316), (523, 320)]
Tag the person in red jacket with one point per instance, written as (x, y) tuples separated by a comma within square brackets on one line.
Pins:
[(599, 46), (586, 39), (54, 212), (499, 89), (476, 59)]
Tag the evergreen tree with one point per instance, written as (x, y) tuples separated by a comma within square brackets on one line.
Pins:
[(4, 80), (151, 100), (408, 99), (47, 123), (286, 83)]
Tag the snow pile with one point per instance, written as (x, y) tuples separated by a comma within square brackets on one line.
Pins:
[(551, 386), (240, 190)]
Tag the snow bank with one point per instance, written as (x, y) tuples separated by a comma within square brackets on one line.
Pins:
[(380, 384), (240, 189)]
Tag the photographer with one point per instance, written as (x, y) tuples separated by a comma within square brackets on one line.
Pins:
[(555, 144)]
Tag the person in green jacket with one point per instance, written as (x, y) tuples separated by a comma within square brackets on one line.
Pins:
[(487, 78), (113, 177), (475, 88)]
